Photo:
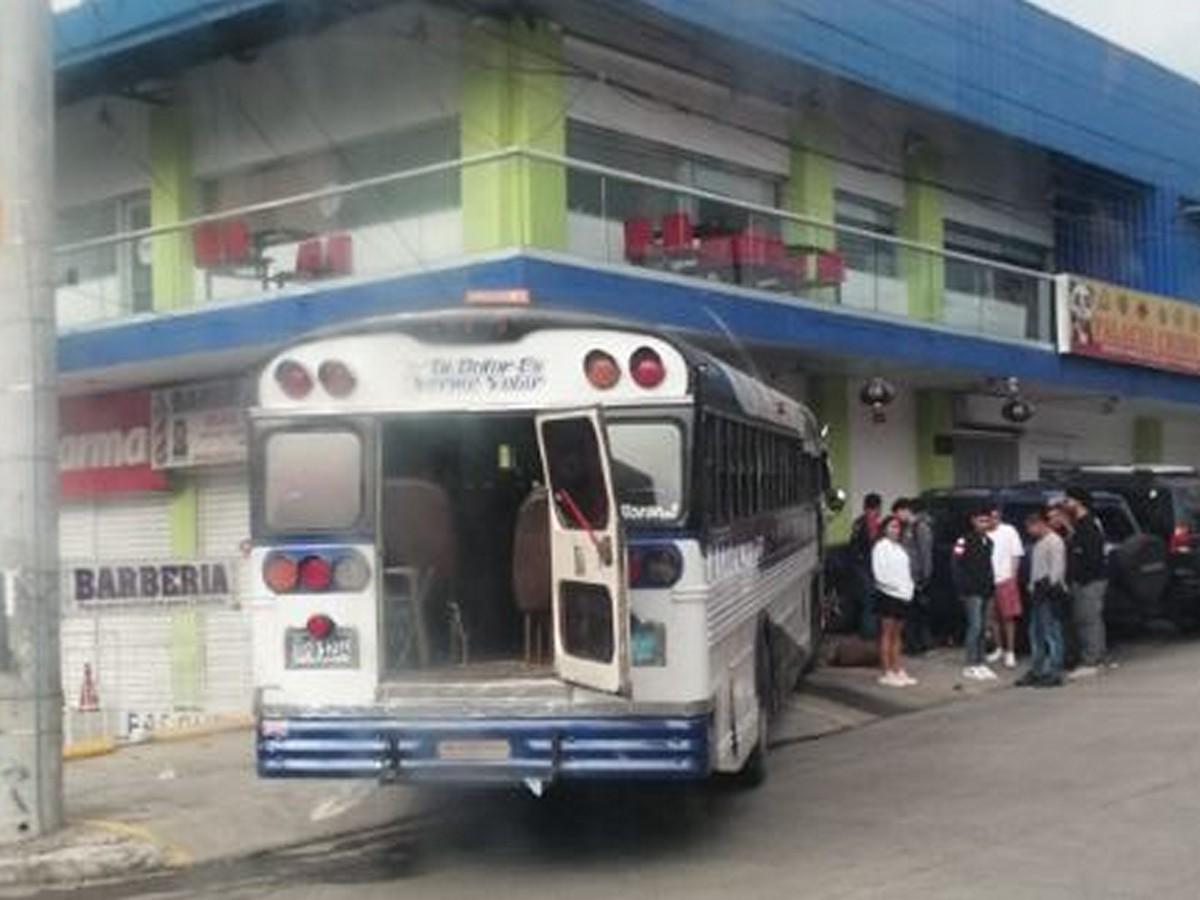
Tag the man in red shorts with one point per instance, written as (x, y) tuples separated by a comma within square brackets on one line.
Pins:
[(1007, 550)]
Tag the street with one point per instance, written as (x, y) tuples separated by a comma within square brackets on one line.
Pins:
[(1089, 791)]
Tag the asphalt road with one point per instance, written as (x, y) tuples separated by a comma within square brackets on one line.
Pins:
[(1091, 791)]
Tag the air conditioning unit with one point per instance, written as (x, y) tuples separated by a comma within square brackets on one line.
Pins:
[(983, 414)]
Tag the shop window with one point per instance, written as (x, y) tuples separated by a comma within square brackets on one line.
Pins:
[(862, 253)]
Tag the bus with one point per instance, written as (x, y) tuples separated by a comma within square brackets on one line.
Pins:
[(498, 545)]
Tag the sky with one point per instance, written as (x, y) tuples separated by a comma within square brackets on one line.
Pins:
[(1166, 31)]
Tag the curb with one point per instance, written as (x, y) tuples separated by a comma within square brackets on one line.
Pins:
[(103, 746), (86, 852)]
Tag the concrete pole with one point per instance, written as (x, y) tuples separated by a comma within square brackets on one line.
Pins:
[(30, 683)]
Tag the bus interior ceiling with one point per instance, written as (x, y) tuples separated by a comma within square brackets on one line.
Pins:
[(466, 547)]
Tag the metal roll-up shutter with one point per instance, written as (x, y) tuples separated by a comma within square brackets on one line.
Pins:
[(77, 531), (223, 502), (134, 527)]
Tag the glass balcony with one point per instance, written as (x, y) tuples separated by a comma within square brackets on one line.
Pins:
[(436, 214)]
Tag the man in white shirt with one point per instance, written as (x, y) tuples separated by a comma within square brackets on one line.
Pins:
[(1007, 550)]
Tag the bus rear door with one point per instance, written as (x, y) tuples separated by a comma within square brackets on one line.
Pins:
[(587, 561)]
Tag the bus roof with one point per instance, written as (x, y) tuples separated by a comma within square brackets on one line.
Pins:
[(722, 385)]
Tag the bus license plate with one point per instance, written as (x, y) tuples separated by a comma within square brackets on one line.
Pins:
[(338, 651), (474, 751)]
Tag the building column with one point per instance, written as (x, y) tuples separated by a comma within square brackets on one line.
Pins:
[(1148, 440), (172, 196), (921, 221), (809, 191), (935, 419), (829, 397), (187, 626), (513, 96)]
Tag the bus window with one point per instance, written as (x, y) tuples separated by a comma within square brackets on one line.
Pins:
[(575, 468), (647, 470), (298, 502)]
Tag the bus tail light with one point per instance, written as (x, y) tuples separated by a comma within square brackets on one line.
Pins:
[(351, 573), (656, 566), (336, 378), (316, 574), (601, 369), (280, 573), (320, 627), (647, 368), (1181, 540), (293, 379)]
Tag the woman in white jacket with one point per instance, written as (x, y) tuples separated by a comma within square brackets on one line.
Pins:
[(894, 588)]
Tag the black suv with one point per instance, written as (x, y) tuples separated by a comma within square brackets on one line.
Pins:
[(1166, 502), (1137, 560)]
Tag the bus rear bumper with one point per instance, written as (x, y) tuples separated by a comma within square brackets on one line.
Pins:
[(482, 751)]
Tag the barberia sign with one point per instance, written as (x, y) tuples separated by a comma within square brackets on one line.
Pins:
[(153, 583), (104, 445), (1113, 323)]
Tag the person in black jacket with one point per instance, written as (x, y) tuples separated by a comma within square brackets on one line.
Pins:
[(1087, 573), (974, 580)]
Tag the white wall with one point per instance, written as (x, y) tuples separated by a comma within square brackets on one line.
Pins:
[(101, 150), (883, 458), (1181, 440), (1076, 432)]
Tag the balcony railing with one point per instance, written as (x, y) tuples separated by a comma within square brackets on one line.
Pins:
[(422, 217)]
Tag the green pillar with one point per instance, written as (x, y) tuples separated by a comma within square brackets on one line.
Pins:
[(172, 192), (513, 96), (935, 416), (830, 400), (184, 517), (809, 191), (187, 659), (1148, 440), (921, 221)]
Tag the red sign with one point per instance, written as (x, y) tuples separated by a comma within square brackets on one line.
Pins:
[(104, 445)]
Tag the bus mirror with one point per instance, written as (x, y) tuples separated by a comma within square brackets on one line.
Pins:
[(836, 500)]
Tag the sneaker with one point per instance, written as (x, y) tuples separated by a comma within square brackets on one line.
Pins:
[(971, 673), (1029, 679), (1049, 681), (995, 655), (986, 674), (908, 680), (1083, 672), (889, 679), (1010, 660)]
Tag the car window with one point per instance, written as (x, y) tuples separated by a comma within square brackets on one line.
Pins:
[(1187, 506)]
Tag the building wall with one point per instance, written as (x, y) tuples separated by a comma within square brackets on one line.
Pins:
[(883, 457)]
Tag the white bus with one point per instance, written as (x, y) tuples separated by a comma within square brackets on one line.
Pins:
[(496, 545)]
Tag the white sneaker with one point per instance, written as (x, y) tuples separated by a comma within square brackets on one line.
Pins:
[(1082, 672), (995, 655), (1010, 660), (986, 674), (972, 673), (908, 680), (889, 679)]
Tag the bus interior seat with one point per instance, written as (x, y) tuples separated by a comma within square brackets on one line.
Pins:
[(419, 533), (531, 572)]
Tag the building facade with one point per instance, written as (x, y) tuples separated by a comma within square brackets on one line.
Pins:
[(946, 206)]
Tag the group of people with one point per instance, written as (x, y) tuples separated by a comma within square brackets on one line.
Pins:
[(1066, 581)]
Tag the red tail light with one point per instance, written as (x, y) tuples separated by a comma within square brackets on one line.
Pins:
[(280, 573), (601, 369), (337, 378), (316, 574), (1181, 540), (320, 627), (647, 368), (293, 379)]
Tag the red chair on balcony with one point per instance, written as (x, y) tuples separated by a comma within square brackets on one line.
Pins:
[(639, 241), (339, 254), (831, 268), (237, 246), (758, 256), (679, 242), (309, 259), (206, 245), (715, 258)]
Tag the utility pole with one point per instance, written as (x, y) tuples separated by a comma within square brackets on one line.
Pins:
[(30, 682)]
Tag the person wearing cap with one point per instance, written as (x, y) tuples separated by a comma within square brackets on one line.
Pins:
[(1087, 573), (975, 583)]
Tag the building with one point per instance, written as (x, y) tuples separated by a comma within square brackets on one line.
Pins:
[(948, 206)]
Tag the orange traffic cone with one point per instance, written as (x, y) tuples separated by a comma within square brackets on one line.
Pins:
[(89, 699)]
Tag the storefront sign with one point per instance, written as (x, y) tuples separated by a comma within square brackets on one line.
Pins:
[(104, 445), (1114, 323), (199, 424), (155, 583)]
